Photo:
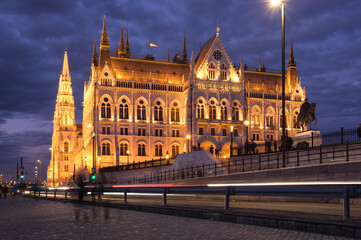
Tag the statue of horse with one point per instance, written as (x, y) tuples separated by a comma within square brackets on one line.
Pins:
[(305, 118)]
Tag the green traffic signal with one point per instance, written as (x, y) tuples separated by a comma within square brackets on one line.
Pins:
[(21, 176), (94, 177)]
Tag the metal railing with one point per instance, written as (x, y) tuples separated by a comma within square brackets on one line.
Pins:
[(341, 190)]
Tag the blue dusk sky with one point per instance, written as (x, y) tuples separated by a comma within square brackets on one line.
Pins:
[(326, 37)]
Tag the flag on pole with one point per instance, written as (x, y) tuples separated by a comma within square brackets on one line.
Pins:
[(153, 45)]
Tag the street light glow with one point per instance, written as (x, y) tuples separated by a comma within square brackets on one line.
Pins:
[(275, 2), (246, 123), (188, 136)]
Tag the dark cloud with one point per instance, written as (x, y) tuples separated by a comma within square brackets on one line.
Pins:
[(326, 36)]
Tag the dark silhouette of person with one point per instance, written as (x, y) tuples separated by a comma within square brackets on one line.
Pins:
[(246, 147), (211, 149)]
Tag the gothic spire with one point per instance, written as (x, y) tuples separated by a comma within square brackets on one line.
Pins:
[(104, 39), (127, 49), (95, 57), (121, 44), (65, 71), (217, 28), (260, 65), (185, 57), (291, 59)]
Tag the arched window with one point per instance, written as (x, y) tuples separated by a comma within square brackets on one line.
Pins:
[(281, 119), (174, 113), (235, 112), (105, 109), (108, 111), (211, 71), (123, 149), (223, 72), (212, 111), (295, 123), (269, 120), (255, 117), (158, 150), (200, 111), (158, 113), (141, 149), (141, 111), (224, 112), (105, 148), (66, 147), (123, 111), (175, 150)]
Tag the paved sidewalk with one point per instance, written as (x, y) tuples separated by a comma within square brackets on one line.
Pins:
[(23, 218)]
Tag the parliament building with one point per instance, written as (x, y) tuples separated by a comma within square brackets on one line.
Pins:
[(138, 108)]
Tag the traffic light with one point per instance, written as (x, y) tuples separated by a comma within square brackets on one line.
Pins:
[(22, 175), (93, 178)]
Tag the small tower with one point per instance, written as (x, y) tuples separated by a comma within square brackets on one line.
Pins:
[(185, 56), (292, 75), (104, 55), (127, 48), (64, 131), (121, 47)]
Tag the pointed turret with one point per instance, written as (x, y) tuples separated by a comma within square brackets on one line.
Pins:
[(104, 39), (185, 56), (127, 48), (292, 75), (121, 47), (95, 56), (260, 65), (65, 71), (291, 59), (217, 29), (104, 54)]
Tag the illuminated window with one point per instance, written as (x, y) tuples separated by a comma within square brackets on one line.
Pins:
[(141, 149), (224, 112), (158, 113), (123, 111), (141, 112), (211, 71), (175, 150), (200, 111), (212, 112), (66, 147), (158, 150), (66, 168), (223, 72), (295, 123), (174, 113), (106, 149), (123, 148)]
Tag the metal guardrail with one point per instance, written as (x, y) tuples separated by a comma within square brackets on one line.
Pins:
[(339, 190)]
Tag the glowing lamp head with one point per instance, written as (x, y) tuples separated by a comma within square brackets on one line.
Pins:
[(188, 136), (232, 129), (167, 155), (275, 2), (246, 123), (128, 152)]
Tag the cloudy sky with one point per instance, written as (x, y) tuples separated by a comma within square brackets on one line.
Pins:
[(326, 35)]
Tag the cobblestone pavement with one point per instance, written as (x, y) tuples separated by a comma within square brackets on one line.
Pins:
[(22, 218)]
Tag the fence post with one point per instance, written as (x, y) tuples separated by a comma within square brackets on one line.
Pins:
[(66, 195), (203, 170), (192, 171), (312, 139), (341, 135), (54, 193), (333, 152), (347, 153), (242, 164), (226, 202), (229, 166), (259, 161), (215, 168), (46, 193), (125, 196), (321, 154), (164, 197), (278, 160), (346, 204), (298, 158)]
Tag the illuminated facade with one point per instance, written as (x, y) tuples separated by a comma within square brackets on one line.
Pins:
[(139, 109)]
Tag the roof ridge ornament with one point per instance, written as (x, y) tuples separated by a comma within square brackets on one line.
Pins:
[(217, 28)]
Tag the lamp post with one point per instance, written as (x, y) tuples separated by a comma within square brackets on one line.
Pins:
[(188, 138), (231, 148), (36, 174), (282, 2), (128, 157), (167, 156), (86, 159), (39, 161), (52, 156), (94, 162)]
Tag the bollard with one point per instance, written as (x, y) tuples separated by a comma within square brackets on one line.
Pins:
[(164, 197), (278, 160), (125, 196), (321, 154), (341, 135), (347, 153), (259, 161), (312, 139), (242, 164), (229, 166), (215, 168), (66, 195), (298, 158), (226, 202), (54, 193), (346, 204), (46, 193)]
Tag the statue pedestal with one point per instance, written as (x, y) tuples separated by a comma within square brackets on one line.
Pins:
[(307, 137)]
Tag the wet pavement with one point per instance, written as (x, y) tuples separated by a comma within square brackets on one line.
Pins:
[(23, 218)]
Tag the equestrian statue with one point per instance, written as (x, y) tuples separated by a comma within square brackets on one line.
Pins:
[(306, 115)]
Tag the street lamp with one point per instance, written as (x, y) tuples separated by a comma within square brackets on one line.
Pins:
[(86, 158), (167, 156), (128, 157), (39, 161), (36, 174), (282, 2), (52, 156), (231, 148), (188, 138)]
